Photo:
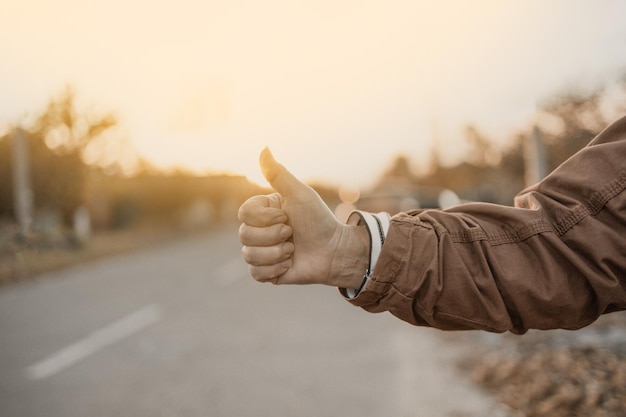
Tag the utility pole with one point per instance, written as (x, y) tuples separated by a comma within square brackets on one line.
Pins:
[(22, 188), (535, 159)]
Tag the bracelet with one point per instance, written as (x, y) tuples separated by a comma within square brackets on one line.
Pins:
[(377, 226)]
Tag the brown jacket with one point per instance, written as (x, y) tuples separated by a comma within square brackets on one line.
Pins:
[(555, 260)]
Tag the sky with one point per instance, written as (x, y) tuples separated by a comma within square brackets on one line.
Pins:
[(336, 88)]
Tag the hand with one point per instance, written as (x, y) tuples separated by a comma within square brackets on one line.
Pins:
[(292, 237)]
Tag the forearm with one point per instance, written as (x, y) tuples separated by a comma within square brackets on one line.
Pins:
[(556, 262), (452, 281)]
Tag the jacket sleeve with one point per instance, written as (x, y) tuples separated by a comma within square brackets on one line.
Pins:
[(555, 260)]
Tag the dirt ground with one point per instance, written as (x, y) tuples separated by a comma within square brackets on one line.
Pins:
[(555, 373)]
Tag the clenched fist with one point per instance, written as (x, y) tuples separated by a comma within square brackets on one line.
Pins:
[(292, 237)]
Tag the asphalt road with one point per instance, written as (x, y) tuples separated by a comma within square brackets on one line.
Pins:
[(181, 330)]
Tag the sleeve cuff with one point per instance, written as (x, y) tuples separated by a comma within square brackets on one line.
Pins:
[(377, 226)]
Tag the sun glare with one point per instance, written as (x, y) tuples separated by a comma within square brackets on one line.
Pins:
[(208, 84)]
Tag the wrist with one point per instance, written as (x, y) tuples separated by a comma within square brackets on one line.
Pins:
[(351, 258)]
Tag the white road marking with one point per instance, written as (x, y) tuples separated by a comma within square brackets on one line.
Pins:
[(96, 341), (230, 272)]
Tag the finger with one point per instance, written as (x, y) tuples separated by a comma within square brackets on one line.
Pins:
[(270, 273), (278, 176), (264, 236), (267, 255), (262, 211)]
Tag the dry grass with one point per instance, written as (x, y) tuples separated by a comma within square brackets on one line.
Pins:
[(555, 373)]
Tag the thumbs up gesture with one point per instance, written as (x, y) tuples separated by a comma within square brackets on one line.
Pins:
[(292, 237)]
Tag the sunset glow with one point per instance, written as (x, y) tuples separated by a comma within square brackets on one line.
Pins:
[(335, 88)]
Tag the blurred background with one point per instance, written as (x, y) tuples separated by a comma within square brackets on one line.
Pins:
[(137, 125)]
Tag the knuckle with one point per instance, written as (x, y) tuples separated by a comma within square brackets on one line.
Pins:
[(240, 213), (254, 273), (271, 273), (246, 234), (251, 208), (248, 254), (259, 273), (242, 233), (244, 210), (267, 256), (287, 249), (263, 236)]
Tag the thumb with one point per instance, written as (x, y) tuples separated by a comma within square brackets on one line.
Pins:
[(278, 176)]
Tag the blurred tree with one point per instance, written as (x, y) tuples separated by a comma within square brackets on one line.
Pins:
[(482, 150), (400, 169), (57, 141), (570, 121), (567, 122), (6, 181), (67, 130)]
